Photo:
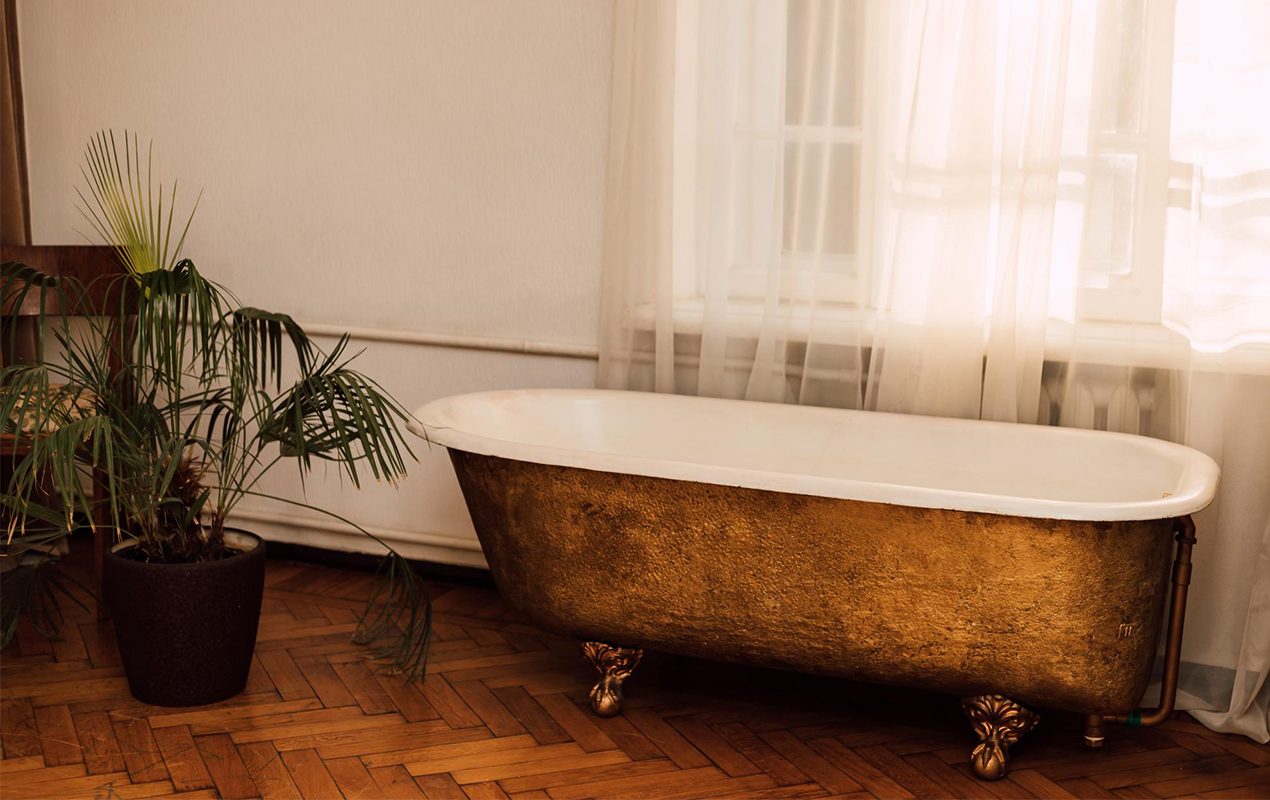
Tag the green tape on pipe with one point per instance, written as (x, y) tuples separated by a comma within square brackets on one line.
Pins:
[(1135, 719)]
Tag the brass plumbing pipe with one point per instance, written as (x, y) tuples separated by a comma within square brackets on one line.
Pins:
[(1146, 718)]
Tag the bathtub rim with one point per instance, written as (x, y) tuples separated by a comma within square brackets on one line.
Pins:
[(1199, 478)]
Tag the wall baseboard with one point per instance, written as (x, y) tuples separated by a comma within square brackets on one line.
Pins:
[(364, 562), (292, 529)]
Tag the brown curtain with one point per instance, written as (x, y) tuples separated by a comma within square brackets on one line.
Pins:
[(15, 202)]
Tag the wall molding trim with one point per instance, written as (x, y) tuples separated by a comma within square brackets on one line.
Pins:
[(458, 341), (329, 534), (335, 526)]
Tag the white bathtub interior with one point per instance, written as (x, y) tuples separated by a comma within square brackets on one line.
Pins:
[(967, 465)]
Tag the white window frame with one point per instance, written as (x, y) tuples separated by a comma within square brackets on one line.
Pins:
[(1138, 296)]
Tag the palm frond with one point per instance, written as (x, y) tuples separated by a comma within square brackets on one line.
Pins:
[(17, 281), (61, 455), (257, 339), (337, 414), (178, 313), (32, 589), (20, 534), (121, 204), (396, 624), (24, 401)]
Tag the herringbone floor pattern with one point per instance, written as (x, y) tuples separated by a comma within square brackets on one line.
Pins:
[(502, 714)]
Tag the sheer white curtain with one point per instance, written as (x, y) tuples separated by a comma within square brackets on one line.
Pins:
[(1053, 212)]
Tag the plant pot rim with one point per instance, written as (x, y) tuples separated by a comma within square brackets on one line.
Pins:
[(256, 542)]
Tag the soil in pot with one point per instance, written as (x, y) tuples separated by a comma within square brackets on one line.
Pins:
[(186, 632)]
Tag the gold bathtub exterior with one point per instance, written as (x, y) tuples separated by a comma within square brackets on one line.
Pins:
[(1056, 613)]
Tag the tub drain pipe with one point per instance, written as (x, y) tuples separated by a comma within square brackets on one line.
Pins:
[(1146, 718)]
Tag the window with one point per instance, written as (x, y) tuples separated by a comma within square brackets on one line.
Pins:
[(1112, 192), (816, 214), (821, 138)]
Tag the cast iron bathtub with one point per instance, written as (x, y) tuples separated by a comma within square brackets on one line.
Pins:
[(1007, 564)]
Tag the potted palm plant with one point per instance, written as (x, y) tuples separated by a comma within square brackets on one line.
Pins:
[(180, 398)]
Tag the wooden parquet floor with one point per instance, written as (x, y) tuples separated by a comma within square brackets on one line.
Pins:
[(503, 714)]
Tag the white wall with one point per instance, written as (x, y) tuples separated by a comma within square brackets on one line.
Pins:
[(433, 167)]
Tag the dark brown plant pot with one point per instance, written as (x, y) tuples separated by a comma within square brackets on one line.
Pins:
[(186, 632)]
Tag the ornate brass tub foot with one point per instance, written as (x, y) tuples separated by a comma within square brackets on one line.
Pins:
[(998, 722), (615, 665)]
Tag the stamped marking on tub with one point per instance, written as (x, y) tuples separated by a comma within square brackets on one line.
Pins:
[(1127, 629)]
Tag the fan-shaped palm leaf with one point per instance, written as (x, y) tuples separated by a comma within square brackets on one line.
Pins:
[(125, 209)]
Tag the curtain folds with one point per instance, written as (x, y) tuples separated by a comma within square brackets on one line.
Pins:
[(15, 223), (1051, 212)]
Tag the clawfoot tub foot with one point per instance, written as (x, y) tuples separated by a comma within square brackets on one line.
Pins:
[(615, 664), (998, 722)]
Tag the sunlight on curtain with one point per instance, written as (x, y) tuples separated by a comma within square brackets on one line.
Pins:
[(1217, 261), (1053, 212)]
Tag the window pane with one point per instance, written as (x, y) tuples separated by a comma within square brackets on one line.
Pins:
[(1109, 217), (822, 76), (820, 198)]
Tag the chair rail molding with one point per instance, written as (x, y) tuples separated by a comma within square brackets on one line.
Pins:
[(458, 341)]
